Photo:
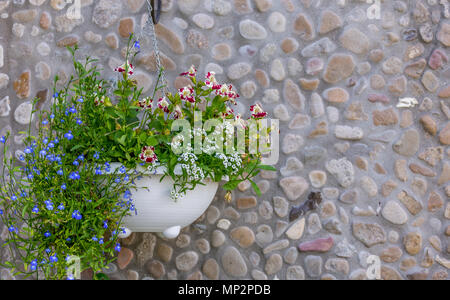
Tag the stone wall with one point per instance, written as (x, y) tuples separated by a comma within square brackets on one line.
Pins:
[(332, 75)]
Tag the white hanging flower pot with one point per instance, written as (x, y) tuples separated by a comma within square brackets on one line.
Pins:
[(158, 212)]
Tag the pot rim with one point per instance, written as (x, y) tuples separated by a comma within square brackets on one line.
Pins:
[(158, 170)]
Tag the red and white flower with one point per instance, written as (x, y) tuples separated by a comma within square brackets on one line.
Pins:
[(163, 104), (123, 68), (99, 101), (187, 94), (177, 112), (257, 111), (148, 154), (190, 73), (227, 91), (146, 103), (239, 122), (211, 81), (228, 112)]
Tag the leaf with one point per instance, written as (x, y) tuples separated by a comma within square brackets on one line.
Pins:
[(152, 141), (122, 139), (231, 185), (101, 276), (256, 188), (267, 168)]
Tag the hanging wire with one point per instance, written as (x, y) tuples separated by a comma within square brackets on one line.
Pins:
[(150, 23)]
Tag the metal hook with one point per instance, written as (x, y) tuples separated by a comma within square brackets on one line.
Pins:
[(156, 11)]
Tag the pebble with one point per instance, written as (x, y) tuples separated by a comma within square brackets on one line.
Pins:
[(339, 67), (203, 246), (415, 69), (304, 27), (252, 30), (437, 59), (233, 263), (264, 235), (293, 95), (336, 95), (295, 273), (320, 245), (348, 133), (186, 261), (221, 52), (280, 205), (413, 243), (337, 265), (238, 70), (443, 35), (211, 269), (273, 264), (5, 107), (263, 79), (444, 135), (276, 246), (4, 80), (314, 66), (344, 249), (343, 170), (408, 144), (224, 224), (294, 187), (171, 39), (392, 65), (277, 70), (203, 21), (322, 46), (243, 236), (370, 234), (277, 22), (263, 5), (222, 8), (430, 81), (354, 40), (329, 21), (394, 213), (414, 206), (292, 143), (259, 275), (295, 232), (22, 114), (217, 238)]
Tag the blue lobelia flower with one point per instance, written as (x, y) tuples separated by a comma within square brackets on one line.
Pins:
[(98, 171), (105, 224), (117, 248), (96, 155), (61, 206), (69, 135), (74, 176), (60, 172), (137, 45), (77, 215), (53, 258), (2, 139), (63, 186), (47, 234), (49, 205), (35, 209), (79, 122)]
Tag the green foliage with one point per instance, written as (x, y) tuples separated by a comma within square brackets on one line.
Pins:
[(63, 199)]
